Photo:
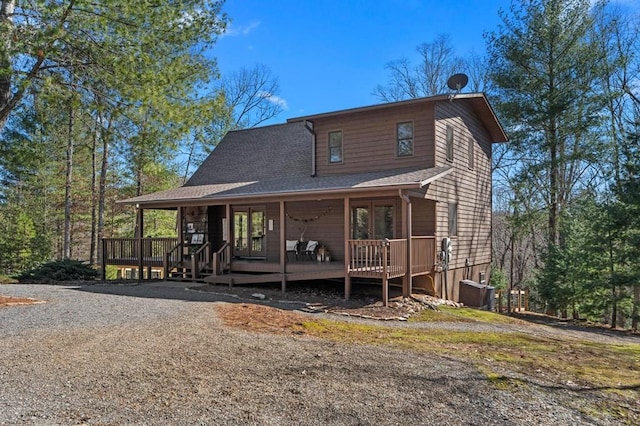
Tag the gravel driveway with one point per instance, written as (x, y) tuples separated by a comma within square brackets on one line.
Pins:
[(158, 354)]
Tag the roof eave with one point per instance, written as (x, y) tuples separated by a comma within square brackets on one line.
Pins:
[(168, 203)]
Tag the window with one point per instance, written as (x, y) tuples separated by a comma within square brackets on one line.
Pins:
[(453, 219), (404, 137), (472, 144), (335, 147), (449, 143)]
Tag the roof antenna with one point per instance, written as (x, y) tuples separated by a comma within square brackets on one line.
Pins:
[(456, 83)]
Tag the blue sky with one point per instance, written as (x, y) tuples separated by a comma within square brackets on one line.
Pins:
[(330, 55)]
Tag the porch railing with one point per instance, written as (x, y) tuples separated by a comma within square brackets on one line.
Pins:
[(376, 258), (366, 257), (129, 251), (200, 260), (172, 259), (222, 259), (423, 255)]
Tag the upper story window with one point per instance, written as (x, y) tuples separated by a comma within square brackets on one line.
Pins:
[(449, 143), (335, 147), (472, 144), (404, 138)]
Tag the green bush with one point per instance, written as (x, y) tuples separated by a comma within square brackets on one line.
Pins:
[(59, 270), (498, 279), (5, 279)]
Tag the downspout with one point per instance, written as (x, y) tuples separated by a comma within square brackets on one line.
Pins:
[(309, 127)]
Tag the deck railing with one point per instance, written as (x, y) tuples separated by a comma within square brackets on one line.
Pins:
[(376, 258), (423, 255), (200, 260), (172, 259), (222, 259), (129, 251), (365, 257)]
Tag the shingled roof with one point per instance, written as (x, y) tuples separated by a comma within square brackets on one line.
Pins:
[(269, 152), (413, 178)]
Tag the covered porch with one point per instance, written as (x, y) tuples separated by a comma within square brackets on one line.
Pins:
[(382, 260), (363, 226)]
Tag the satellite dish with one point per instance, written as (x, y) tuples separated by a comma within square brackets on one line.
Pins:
[(457, 81)]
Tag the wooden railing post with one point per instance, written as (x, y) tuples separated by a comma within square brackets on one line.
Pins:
[(140, 258), (103, 259), (166, 263), (385, 279)]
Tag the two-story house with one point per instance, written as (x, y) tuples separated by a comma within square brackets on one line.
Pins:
[(364, 193)]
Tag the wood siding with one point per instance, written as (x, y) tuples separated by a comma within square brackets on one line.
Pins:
[(216, 214), (469, 188), (273, 236), (424, 217), (369, 140), (322, 221)]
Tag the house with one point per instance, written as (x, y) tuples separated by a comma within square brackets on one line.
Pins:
[(379, 191)]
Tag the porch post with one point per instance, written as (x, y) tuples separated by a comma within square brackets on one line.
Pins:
[(103, 259), (407, 280), (227, 213), (347, 254), (283, 252), (140, 233)]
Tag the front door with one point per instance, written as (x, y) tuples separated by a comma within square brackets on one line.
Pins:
[(249, 232), (374, 220)]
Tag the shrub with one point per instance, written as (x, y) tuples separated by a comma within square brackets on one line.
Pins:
[(59, 270), (5, 279)]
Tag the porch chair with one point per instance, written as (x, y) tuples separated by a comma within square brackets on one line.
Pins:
[(291, 246), (310, 249)]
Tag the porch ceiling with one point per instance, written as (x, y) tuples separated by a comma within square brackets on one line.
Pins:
[(295, 185)]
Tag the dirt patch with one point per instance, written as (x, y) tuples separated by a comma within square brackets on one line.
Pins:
[(327, 299), (259, 317), (14, 301)]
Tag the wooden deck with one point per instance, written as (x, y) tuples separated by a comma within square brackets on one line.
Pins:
[(370, 259), (235, 278)]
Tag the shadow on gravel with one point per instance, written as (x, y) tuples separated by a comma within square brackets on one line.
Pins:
[(298, 295), (571, 325)]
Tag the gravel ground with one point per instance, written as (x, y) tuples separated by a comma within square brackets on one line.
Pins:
[(158, 354)]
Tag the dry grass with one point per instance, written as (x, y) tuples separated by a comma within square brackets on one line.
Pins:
[(506, 358), (13, 301)]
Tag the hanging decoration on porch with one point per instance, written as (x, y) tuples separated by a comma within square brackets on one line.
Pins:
[(302, 228), (309, 219)]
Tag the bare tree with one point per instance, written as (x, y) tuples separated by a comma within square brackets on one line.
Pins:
[(251, 96), (438, 61)]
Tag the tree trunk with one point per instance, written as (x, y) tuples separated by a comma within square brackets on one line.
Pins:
[(635, 314), (614, 305), (94, 196), (102, 185), (6, 22), (66, 251)]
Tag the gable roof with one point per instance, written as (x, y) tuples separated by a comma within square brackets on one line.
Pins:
[(277, 161), (411, 178), (478, 101), (282, 150)]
